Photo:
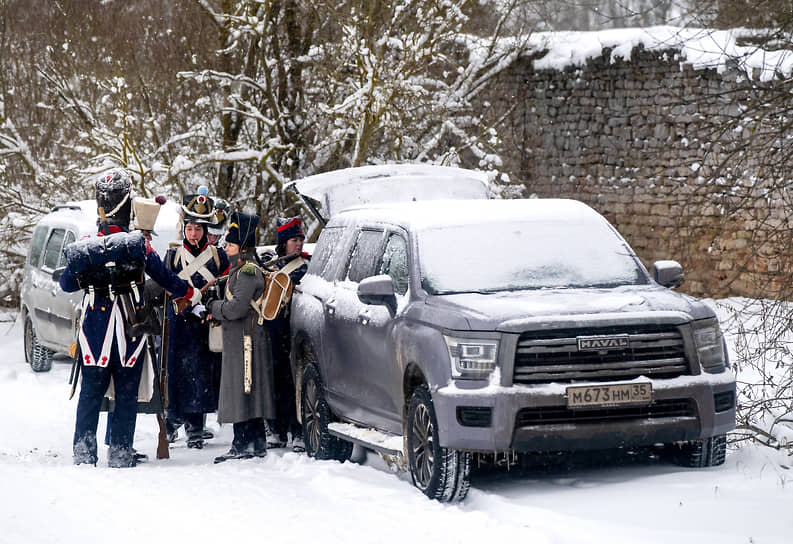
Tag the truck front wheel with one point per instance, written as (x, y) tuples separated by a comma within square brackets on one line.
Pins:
[(316, 415), (440, 473), (710, 452)]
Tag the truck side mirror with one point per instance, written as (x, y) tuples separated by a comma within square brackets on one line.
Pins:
[(56, 274), (378, 290), (668, 273)]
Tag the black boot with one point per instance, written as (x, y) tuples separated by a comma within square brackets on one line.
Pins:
[(120, 457), (260, 447), (172, 424), (194, 425), (139, 457), (195, 442), (84, 451), (233, 453)]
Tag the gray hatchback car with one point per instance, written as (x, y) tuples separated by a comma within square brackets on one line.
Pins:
[(439, 331), (50, 317)]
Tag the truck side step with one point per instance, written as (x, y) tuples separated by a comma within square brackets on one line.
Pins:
[(382, 442)]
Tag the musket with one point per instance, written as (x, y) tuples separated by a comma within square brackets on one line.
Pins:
[(163, 451), (102, 220), (77, 363), (166, 328), (309, 203), (280, 261)]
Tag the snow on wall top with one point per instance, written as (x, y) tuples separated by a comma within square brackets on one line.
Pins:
[(702, 48)]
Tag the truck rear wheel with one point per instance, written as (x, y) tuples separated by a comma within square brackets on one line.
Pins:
[(440, 473)]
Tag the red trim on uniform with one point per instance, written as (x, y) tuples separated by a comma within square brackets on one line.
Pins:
[(113, 229), (295, 221)]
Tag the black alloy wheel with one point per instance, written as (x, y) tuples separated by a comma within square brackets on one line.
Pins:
[(316, 416), (440, 473)]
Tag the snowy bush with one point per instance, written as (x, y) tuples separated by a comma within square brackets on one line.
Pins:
[(759, 339)]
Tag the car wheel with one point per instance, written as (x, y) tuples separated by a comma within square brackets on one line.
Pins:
[(441, 473), (39, 357), (710, 452), (316, 416)]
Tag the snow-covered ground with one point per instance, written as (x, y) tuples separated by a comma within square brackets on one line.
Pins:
[(288, 497)]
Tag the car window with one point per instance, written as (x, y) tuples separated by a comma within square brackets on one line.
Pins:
[(52, 253), (37, 245), (327, 245), (365, 257), (66, 241), (395, 262)]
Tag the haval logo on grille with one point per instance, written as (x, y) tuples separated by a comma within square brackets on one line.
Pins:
[(603, 343)]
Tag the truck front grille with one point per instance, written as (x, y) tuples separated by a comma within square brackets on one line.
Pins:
[(547, 415), (654, 351)]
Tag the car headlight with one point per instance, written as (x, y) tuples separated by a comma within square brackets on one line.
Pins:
[(472, 357), (710, 345)]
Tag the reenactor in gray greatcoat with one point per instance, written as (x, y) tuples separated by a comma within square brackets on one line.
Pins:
[(246, 384)]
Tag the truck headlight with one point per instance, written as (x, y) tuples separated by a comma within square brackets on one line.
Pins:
[(471, 357), (710, 345)]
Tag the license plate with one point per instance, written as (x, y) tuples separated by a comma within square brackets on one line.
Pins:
[(594, 396)]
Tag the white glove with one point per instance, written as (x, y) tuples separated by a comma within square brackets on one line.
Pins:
[(197, 309), (196, 298)]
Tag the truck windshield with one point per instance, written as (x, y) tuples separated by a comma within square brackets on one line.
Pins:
[(510, 256)]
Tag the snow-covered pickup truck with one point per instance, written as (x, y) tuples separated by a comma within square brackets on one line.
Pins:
[(435, 331)]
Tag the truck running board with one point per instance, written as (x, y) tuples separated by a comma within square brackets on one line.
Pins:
[(382, 442)]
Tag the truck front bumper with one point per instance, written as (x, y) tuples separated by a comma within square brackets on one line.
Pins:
[(535, 418)]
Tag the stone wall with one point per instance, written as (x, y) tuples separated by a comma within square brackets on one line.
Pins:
[(669, 154)]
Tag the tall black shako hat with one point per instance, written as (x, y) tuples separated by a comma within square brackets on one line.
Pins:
[(198, 208), (113, 191), (242, 230), (289, 227)]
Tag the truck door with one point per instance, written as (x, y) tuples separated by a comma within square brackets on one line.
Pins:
[(367, 373)]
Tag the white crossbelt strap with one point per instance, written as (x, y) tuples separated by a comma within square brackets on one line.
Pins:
[(194, 264), (115, 328), (292, 266)]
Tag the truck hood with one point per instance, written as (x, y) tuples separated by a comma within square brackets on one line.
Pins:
[(517, 311)]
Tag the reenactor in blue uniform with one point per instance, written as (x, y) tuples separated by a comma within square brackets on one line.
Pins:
[(191, 364), (110, 347)]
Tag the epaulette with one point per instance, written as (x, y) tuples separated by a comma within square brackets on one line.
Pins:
[(249, 269)]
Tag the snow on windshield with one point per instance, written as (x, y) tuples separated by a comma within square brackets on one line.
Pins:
[(513, 255)]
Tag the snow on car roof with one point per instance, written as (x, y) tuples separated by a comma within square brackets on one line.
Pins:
[(363, 185), (443, 213), (83, 215)]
